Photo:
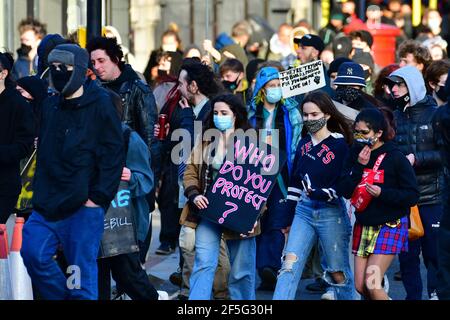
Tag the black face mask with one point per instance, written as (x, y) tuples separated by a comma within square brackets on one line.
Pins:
[(230, 85), (442, 94), (60, 78), (348, 94), (162, 73), (24, 49), (400, 102)]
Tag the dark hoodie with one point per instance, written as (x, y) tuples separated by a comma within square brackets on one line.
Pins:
[(37, 88), (16, 139), (47, 44), (399, 191), (80, 154)]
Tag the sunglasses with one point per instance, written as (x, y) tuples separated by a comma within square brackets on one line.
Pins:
[(364, 132)]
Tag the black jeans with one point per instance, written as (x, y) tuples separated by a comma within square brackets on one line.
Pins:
[(428, 245), (7, 205), (443, 275), (168, 206), (130, 278)]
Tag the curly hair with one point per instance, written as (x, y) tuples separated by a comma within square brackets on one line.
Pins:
[(376, 120), (203, 76), (40, 29), (110, 46), (420, 52)]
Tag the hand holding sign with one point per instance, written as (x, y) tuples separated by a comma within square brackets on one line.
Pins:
[(306, 78), (201, 202)]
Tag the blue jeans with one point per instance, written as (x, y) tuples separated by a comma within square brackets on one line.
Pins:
[(428, 244), (80, 236), (242, 253), (270, 243), (329, 224)]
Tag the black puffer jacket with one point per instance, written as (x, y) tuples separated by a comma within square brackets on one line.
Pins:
[(415, 134)]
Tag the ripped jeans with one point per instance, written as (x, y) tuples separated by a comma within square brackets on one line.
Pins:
[(330, 224)]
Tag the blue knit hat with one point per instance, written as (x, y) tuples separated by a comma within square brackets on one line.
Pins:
[(265, 75), (350, 74)]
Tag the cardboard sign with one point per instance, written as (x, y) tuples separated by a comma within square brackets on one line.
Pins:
[(119, 236), (306, 78), (242, 187)]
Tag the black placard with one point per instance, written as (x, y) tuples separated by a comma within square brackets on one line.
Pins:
[(242, 187)]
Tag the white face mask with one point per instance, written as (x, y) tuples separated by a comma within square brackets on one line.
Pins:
[(169, 47), (434, 24)]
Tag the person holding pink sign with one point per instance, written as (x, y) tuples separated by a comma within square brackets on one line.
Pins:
[(206, 160)]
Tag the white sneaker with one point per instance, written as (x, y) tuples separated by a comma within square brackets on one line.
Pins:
[(434, 296), (329, 295), (386, 284), (163, 295)]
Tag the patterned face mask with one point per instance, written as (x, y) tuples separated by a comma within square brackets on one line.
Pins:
[(359, 138), (348, 94), (315, 125)]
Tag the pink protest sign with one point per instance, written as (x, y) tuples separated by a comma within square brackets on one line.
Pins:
[(243, 186)]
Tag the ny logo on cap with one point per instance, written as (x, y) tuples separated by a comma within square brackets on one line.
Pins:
[(349, 71)]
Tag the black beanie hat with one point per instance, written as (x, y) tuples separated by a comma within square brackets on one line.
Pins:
[(71, 54), (335, 64), (34, 86)]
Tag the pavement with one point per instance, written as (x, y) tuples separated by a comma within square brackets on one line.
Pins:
[(160, 267)]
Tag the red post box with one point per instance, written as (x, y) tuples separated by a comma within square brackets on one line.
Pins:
[(384, 44)]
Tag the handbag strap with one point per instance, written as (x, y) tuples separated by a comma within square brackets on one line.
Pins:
[(378, 162)]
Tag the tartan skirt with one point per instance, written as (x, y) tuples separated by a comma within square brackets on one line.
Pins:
[(389, 238)]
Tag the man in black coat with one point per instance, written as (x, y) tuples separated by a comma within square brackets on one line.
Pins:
[(16, 137), (138, 109), (417, 140), (442, 127), (79, 166)]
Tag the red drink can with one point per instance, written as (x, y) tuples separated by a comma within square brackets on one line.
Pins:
[(162, 120)]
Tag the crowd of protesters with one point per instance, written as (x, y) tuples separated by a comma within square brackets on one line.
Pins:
[(362, 151)]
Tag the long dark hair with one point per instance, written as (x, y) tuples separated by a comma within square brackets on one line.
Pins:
[(6, 63), (236, 106), (337, 122), (377, 120)]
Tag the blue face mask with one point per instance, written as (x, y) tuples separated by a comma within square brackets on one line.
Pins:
[(273, 95), (223, 122)]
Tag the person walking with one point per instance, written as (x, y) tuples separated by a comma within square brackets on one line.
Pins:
[(320, 214), (381, 228), (16, 137), (79, 165)]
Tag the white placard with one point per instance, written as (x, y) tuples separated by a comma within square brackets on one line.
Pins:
[(308, 77)]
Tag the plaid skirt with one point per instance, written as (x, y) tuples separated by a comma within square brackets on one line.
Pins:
[(389, 238)]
